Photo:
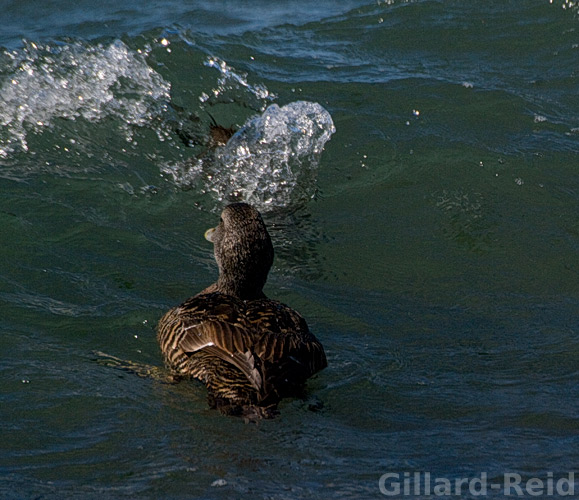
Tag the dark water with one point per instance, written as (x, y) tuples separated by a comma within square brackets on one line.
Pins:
[(417, 163)]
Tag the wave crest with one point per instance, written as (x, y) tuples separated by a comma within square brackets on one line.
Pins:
[(44, 82), (270, 162)]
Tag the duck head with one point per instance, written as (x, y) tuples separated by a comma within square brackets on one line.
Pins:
[(243, 251)]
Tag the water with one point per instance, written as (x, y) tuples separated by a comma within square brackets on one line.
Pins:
[(417, 165)]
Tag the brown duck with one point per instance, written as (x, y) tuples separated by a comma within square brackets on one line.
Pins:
[(250, 351)]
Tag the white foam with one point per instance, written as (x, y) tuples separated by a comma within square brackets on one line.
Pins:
[(270, 162), (231, 79), (74, 80)]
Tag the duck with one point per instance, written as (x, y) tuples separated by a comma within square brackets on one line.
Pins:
[(250, 351)]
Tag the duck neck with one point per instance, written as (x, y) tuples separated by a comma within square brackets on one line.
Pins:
[(240, 288)]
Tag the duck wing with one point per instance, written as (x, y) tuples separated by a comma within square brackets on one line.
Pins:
[(268, 342), (228, 342), (211, 323), (288, 352), (287, 361), (303, 353)]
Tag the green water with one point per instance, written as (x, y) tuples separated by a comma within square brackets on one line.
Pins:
[(432, 245)]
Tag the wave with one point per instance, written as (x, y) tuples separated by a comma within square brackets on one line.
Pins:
[(41, 83), (77, 91), (270, 162)]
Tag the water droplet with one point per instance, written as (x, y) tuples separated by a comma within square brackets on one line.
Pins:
[(274, 156)]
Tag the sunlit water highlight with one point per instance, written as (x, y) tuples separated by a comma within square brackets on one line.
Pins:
[(416, 162)]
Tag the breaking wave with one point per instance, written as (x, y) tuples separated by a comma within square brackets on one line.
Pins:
[(271, 161), (68, 93), (43, 82)]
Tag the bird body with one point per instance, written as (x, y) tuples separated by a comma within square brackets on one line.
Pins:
[(250, 351)]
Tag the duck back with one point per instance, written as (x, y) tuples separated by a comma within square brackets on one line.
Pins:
[(247, 352)]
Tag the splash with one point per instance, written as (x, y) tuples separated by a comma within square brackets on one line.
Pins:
[(233, 86), (70, 81), (270, 162), (570, 5)]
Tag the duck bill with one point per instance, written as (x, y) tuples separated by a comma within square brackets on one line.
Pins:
[(209, 234)]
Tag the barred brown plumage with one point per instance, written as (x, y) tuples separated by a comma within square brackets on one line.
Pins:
[(250, 351)]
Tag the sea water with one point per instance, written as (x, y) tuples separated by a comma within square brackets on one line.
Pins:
[(417, 165)]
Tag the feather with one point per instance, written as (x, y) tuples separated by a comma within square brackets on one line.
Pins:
[(249, 350)]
